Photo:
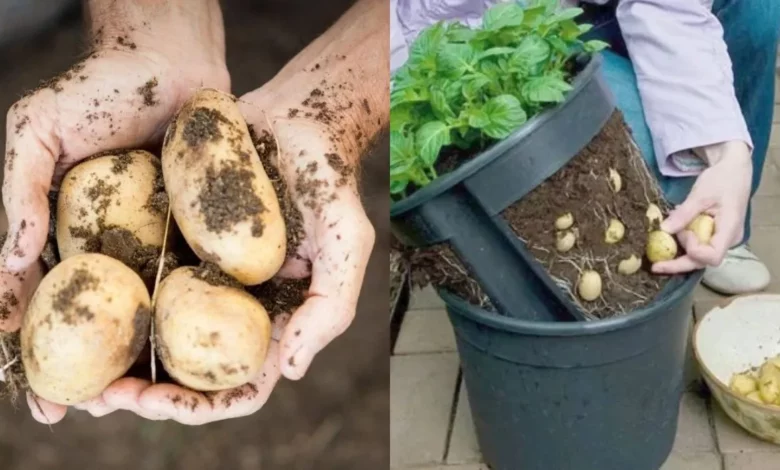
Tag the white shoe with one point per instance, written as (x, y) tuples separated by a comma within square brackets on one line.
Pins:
[(740, 273)]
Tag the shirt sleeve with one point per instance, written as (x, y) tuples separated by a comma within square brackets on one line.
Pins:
[(685, 79)]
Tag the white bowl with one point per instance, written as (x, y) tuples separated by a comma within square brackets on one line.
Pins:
[(733, 338)]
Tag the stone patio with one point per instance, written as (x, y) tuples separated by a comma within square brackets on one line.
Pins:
[(430, 420)]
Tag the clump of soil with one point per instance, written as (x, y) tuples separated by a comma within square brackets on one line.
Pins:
[(280, 296), (122, 245), (211, 274), (120, 162), (266, 149), (147, 92), (582, 188), (440, 267), (64, 301), (12, 367), (158, 200), (203, 126), (227, 197)]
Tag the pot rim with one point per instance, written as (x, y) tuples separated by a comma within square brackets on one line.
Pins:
[(498, 149), (565, 329)]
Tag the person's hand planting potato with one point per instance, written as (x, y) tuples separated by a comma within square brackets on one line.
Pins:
[(147, 58), (323, 110)]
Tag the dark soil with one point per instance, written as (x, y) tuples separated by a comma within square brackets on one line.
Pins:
[(158, 200), (281, 295), (582, 188), (203, 126), (440, 267), (228, 197), (147, 92), (211, 274), (122, 245), (64, 303), (267, 151)]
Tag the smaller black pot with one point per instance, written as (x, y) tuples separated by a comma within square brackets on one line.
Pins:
[(463, 207)]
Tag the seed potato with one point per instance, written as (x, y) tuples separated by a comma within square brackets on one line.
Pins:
[(85, 326), (629, 265), (615, 232), (565, 221), (221, 197), (654, 216), (703, 226), (589, 286), (564, 241), (209, 337), (660, 246), (115, 190)]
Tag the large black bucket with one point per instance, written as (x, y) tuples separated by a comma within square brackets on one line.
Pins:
[(601, 395)]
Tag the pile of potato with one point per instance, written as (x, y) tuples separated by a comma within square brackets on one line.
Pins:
[(90, 318), (762, 385), (661, 246)]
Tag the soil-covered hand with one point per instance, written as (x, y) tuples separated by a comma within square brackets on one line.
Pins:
[(722, 191), (334, 240), (146, 61)]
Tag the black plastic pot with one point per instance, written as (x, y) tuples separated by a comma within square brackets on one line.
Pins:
[(600, 395), (463, 207)]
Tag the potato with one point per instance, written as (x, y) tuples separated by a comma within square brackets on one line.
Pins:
[(743, 384), (85, 326), (769, 383), (209, 336), (755, 397), (629, 265), (589, 286), (564, 241), (615, 232), (221, 197), (565, 221), (703, 226), (615, 181), (111, 191), (654, 216), (660, 246)]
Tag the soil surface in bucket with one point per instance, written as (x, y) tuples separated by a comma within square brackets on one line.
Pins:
[(583, 188)]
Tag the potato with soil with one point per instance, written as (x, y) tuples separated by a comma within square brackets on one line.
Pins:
[(85, 326), (210, 335), (118, 190), (221, 197)]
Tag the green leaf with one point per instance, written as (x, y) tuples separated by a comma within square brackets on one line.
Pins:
[(441, 107), (457, 32), (545, 89), (422, 53), (402, 154), (478, 118), (473, 85), (429, 140), (559, 45), (504, 114), (398, 186), (595, 45), (495, 51), (532, 51), (534, 16), (503, 15), (401, 117), (584, 28), (563, 15), (456, 59), (570, 30)]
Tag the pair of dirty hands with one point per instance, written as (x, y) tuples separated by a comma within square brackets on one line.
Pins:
[(47, 134)]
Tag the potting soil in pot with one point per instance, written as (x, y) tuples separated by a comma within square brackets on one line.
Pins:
[(583, 189)]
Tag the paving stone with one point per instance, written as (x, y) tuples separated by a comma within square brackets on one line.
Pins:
[(753, 461), (694, 434), (425, 299), (732, 439), (764, 211), (422, 388), (704, 300), (463, 441), (764, 242), (700, 461), (454, 467), (425, 331), (770, 178)]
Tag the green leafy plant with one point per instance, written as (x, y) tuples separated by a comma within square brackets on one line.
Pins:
[(470, 87)]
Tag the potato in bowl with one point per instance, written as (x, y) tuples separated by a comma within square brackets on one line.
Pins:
[(734, 338)]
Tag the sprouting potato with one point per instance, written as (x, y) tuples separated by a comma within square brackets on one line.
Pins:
[(743, 384), (564, 241), (615, 231), (615, 181), (654, 216), (703, 226), (565, 221), (589, 286), (769, 383), (629, 265), (660, 246)]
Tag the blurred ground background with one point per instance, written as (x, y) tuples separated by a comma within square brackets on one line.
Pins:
[(335, 418)]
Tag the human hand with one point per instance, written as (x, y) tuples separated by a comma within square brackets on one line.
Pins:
[(722, 191), (336, 239), (122, 96)]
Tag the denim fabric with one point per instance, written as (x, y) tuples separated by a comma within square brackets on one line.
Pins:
[(751, 31)]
